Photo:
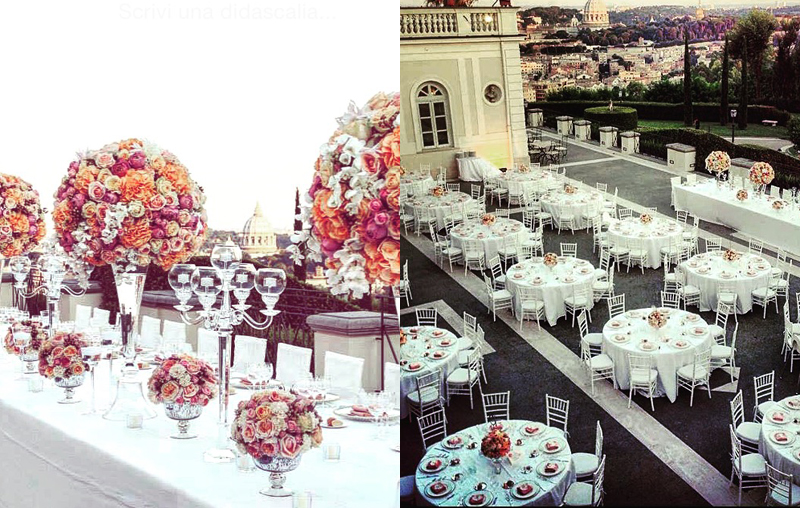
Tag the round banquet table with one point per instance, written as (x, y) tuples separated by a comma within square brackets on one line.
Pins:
[(655, 235), (534, 180), (491, 237), (475, 468), (552, 285), (779, 454), (421, 340), (441, 205), (474, 169), (706, 271), (673, 346), (580, 203), (420, 183)]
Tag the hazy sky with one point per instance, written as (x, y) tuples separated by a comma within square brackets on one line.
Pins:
[(244, 93), (612, 3)]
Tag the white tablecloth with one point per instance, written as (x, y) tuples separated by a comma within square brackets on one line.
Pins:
[(667, 359), (580, 203), (654, 235), (441, 206), (554, 285), (754, 217), (476, 468), (413, 352), (706, 271), (537, 181), (782, 456), (474, 169), (417, 183), (491, 237), (54, 455)]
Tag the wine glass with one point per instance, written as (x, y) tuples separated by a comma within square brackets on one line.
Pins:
[(270, 283), (225, 257), (180, 280), (206, 284), (91, 356), (244, 280)]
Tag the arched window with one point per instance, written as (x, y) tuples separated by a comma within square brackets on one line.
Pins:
[(434, 112)]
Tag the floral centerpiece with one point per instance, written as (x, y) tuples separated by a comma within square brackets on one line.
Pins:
[(60, 359), (550, 259), (523, 169), (403, 337), (778, 204), (129, 204), (718, 162), (21, 216), (656, 319), (741, 195), (645, 218), (38, 335), (731, 255), (351, 212), (488, 219), (569, 189), (495, 445), (438, 191), (761, 173)]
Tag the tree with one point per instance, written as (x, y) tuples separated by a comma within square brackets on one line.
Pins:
[(687, 83), (793, 126), (723, 103), (754, 30), (635, 91), (741, 116), (299, 270)]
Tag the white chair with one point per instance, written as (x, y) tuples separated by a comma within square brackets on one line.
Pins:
[(404, 286), (207, 345), (569, 250), (637, 254), (83, 315), (454, 254), (764, 295), (599, 367), (690, 295), (624, 213), (724, 356), (530, 305), (765, 392), (474, 256), (453, 187), (292, 363), (669, 277), (427, 397), (100, 317), (755, 246), (496, 406), (423, 218), (498, 277), (726, 293), (150, 335), (696, 373), (713, 244), (619, 253), (748, 432), (642, 377), (670, 300), (432, 428), (174, 336), (602, 271), (557, 413), (427, 317), (463, 379), (248, 350), (603, 288), (509, 250), (587, 494), (586, 464), (781, 489), (616, 305), (344, 371), (566, 221), (498, 298), (750, 469), (720, 326), (578, 301), (593, 340)]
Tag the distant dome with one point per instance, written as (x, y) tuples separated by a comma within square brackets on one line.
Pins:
[(595, 14), (257, 237)]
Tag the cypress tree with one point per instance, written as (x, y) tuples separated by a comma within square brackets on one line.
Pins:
[(687, 82), (741, 116), (301, 269), (723, 103)]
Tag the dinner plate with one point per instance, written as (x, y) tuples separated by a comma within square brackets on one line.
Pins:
[(406, 367), (771, 417), (444, 355), (450, 486), (585, 270), (488, 498), (647, 346), (539, 426), (692, 317), (324, 425), (751, 273), (541, 466), (537, 282), (437, 333), (518, 275), (453, 446), (697, 332), (236, 382), (789, 435), (446, 342), (793, 403), (680, 344), (344, 412), (423, 466), (525, 496), (726, 275), (620, 339), (615, 324), (543, 446)]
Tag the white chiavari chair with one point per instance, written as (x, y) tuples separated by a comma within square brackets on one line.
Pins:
[(496, 406)]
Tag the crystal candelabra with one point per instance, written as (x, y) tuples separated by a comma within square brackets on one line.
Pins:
[(226, 275)]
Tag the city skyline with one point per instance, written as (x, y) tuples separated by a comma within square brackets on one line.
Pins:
[(612, 4)]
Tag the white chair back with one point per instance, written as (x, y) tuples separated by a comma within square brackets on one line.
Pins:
[(174, 335), (100, 317), (248, 350), (292, 364), (391, 378), (557, 412), (83, 315), (150, 335), (344, 371), (208, 345)]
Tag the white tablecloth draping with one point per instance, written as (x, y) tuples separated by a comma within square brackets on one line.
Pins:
[(474, 169), (491, 237), (754, 216), (476, 468), (54, 455), (537, 181), (417, 183), (655, 235), (580, 203), (676, 345), (419, 338), (552, 285), (785, 457), (706, 271), (441, 206)]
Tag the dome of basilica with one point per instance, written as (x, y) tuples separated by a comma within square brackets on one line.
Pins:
[(595, 14), (257, 237)]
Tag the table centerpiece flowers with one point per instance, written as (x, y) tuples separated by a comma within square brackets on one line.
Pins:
[(495, 445), (778, 204), (645, 218), (523, 169), (717, 163), (438, 191), (488, 219), (21, 217), (570, 189), (184, 384), (741, 195), (731, 255), (550, 259), (275, 428), (24, 339), (761, 174), (60, 359), (656, 319)]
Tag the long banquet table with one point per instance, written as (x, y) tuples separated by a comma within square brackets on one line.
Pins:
[(753, 216), (51, 452)]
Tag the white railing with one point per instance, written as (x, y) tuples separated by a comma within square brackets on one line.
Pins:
[(457, 22)]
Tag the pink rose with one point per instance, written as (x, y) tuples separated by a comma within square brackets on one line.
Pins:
[(381, 218), (292, 428), (190, 390), (137, 160), (104, 160), (375, 232), (251, 413), (120, 168), (78, 200), (371, 162), (289, 446), (111, 198), (193, 368), (186, 202), (268, 448), (169, 391), (96, 191), (375, 205), (248, 433)]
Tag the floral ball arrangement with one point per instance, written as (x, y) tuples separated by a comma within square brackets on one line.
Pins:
[(718, 162), (569, 189), (351, 213), (488, 219), (731, 255), (778, 204), (21, 216), (646, 218), (181, 379), (60, 357), (496, 444), (129, 204), (276, 423), (438, 191), (741, 195), (35, 328), (761, 173), (656, 319), (550, 259), (523, 169)]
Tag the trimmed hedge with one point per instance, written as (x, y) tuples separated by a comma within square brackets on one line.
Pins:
[(706, 112), (654, 142), (625, 119)]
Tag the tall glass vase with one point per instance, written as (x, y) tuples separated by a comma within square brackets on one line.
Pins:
[(223, 450)]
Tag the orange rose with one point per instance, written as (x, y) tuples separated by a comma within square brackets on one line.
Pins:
[(135, 233), (177, 176), (390, 149), (70, 351), (128, 144), (137, 185), (14, 193), (78, 369), (321, 203), (371, 161), (40, 231), (393, 199), (334, 228), (19, 223), (86, 175), (393, 179), (390, 249), (62, 214)]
